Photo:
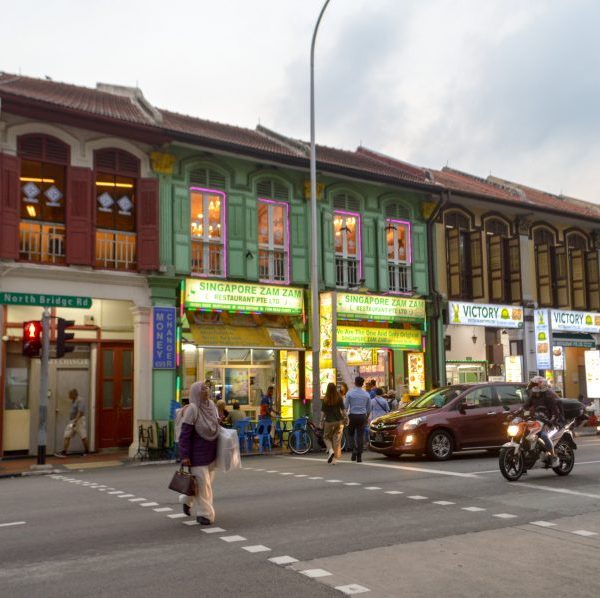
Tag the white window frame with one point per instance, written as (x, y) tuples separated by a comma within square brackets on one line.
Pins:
[(205, 239), (271, 247)]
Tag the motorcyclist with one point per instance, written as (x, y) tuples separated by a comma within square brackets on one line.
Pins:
[(542, 399)]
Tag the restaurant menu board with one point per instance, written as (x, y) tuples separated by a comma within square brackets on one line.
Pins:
[(416, 373), (513, 368), (558, 358), (542, 339), (575, 321), (481, 314), (592, 374)]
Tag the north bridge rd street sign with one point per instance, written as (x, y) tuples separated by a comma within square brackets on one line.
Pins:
[(8, 298)]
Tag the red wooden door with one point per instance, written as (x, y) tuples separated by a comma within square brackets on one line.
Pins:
[(115, 396)]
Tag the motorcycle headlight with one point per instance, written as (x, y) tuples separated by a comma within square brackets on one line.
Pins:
[(411, 424), (513, 430)]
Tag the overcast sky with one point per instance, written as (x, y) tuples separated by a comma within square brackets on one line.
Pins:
[(508, 87)]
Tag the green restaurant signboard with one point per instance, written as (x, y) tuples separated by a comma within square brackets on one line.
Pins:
[(242, 297), (390, 338), (35, 299), (388, 308)]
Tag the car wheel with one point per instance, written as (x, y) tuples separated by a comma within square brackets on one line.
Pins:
[(440, 445)]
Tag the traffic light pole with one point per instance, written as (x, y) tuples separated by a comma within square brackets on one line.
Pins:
[(43, 418)]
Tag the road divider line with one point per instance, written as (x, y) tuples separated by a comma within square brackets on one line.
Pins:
[(352, 589), (283, 560), (13, 523), (315, 573)]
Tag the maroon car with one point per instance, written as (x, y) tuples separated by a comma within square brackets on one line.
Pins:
[(449, 419)]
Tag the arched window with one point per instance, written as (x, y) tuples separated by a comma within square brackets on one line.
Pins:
[(347, 239), (208, 231), (504, 262), (117, 175), (399, 255), (273, 241), (464, 257), (43, 176), (551, 269), (583, 272)]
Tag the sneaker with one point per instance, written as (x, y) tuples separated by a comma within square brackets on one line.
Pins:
[(60, 454), (203, 520), (186, 510), (331, 457)]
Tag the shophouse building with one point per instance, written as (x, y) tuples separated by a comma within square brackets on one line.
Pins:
[(518, 274)]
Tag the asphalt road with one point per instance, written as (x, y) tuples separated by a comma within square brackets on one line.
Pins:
[(384, 528)]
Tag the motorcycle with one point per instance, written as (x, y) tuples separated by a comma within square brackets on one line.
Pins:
[(527, 450)]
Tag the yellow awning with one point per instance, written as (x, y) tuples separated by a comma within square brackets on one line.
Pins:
[(246, 337)]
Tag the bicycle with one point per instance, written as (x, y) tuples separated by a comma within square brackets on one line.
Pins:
[(300, 440)]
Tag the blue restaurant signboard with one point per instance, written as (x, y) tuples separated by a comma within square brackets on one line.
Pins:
[(164, 324)]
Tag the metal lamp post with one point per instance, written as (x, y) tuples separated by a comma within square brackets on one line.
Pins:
[(314, 263)]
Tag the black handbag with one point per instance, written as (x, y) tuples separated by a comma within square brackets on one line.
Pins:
[(183, 482)]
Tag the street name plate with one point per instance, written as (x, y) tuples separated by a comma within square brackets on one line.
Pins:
[(7, 298)]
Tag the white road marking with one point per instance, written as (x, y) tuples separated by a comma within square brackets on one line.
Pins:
[(286, 473), (301, 475), (163, 510), (350, 483), (13, 523), (213, 530), (125, 495), (372, 487), (542, 523), (473, 509), (443, 503), (393, 492), (352, 589), (118, 492), (177, 516), (272, 471), (148, 504), (257, 548), (315, 477), (584, 532), (334, 481), (550, 489), (314, 573), (138, 499), (256, 469), (283, 560), (190, 523), (102, 489), (401, 467), (504, 516), (233, 538), (418, 497)]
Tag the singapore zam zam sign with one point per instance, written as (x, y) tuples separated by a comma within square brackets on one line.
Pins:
[(483, 314)]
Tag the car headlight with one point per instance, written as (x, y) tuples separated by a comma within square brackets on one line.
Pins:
[(513, 430), (411, 424)]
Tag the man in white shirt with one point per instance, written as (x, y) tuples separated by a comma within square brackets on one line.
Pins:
[(358, 405)]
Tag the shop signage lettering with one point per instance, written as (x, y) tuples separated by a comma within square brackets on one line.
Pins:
[(164, 324), (513, 368), (45, 300), (592, 373), (481, 314), (543, 339), (352, 306), (243, 297), (392, 338), (575, 321)]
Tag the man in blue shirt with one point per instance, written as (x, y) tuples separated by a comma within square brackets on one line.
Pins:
[(358, 405)]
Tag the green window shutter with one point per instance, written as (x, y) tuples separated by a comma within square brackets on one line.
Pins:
[(182, 247), (420, 280), (236, 254), (382, 265), (328, 255), (369, 252), (251, 239), (593, 280), (299, 245), (514, 269)]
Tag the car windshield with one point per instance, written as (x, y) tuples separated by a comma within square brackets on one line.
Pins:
[(436, 398)]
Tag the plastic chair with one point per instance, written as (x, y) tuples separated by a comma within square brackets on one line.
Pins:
[(279, 431), (245, 434), (263, 433)]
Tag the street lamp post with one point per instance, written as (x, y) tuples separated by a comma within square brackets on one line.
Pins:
[(314, 258)]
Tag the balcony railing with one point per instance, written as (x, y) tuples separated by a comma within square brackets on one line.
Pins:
[(399, 278), (272, 265), (207, 258), (115, 250), (346, 272), (39, 242)]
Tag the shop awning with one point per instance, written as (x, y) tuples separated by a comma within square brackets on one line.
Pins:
[(574, 339), (246, 337)]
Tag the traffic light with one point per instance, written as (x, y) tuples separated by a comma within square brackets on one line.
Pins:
[(62, 336), (32, 338)]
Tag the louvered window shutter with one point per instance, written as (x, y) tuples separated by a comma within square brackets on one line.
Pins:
[(496, 268), (593, 280), (561, 279), (454, 261), (514, 270), (544, 275), (147, 225), (578, 286), (476, 264), (80, 210), (10, 167)]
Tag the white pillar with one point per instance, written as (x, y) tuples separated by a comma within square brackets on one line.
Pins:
[(142, 368)]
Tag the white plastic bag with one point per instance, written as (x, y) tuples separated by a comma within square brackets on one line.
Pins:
[(228, 450)]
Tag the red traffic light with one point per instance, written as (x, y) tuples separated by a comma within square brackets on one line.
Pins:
[(32, 338)]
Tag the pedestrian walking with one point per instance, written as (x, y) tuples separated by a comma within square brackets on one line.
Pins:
[(379, 405), (77, 424), (198, 450), (333, 416), (358, 406)]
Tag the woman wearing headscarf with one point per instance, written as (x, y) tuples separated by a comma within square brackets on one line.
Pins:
[(198, 450)]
